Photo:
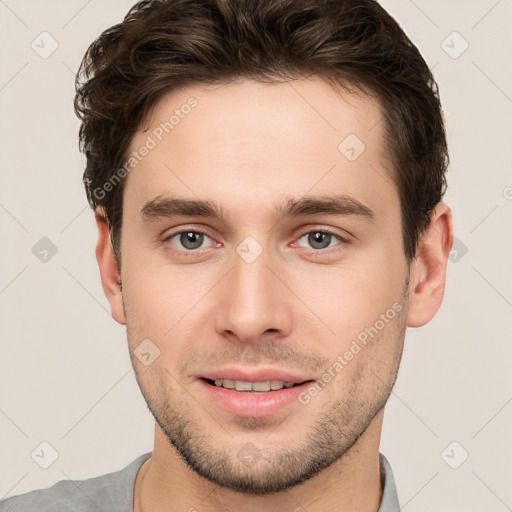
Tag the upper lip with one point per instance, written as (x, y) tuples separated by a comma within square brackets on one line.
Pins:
[(255, 375)]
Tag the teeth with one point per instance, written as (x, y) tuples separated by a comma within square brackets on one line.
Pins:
[(241, 385)]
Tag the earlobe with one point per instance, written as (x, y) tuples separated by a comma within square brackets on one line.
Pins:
[(428, 271), (109, 270)]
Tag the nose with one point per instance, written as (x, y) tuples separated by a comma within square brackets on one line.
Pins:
[(254, 306)]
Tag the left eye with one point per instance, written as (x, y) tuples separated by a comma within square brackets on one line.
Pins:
[(189, 240), (319, 239)]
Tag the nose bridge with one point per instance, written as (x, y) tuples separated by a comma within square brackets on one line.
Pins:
[(253, 305), (250, 282)]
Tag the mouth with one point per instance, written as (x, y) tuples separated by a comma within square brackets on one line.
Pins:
[(253, 387), (256, 392), (260, 393)]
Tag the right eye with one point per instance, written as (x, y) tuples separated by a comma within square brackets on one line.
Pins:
[(188, 239)]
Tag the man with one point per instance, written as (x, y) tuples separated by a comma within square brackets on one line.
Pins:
[(267, 181)]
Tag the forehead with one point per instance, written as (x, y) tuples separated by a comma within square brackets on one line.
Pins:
[(248, 140)]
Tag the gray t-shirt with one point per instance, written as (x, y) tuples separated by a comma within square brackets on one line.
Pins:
[(114, 493)]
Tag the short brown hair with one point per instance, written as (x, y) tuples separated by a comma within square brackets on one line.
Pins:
[(165, 44)]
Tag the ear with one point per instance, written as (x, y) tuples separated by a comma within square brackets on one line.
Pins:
[(428, 270), (109, 270)]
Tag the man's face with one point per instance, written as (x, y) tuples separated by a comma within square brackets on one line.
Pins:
[(269, 292)]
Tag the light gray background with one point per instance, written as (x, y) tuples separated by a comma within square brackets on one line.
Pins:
[(65, 374)]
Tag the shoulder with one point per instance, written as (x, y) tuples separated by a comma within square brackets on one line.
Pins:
[(389, 501), (112, 492)]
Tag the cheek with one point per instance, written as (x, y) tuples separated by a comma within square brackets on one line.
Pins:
[(367, 361), (147, 296), (163, 301), (350, 297)]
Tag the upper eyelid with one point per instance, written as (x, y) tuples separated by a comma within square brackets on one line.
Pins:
[(170, 233), (205, 232), (320, 230)]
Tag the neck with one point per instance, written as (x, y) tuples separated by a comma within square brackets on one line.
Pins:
[(166, 483)]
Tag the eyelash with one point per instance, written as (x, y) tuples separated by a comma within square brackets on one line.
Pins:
[(341, 241)]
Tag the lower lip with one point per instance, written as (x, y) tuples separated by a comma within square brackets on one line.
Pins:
[(254, 404)]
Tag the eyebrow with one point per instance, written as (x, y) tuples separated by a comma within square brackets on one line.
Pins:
[(339, 205)]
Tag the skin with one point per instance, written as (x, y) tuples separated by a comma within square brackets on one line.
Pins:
[(249, 147)]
